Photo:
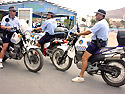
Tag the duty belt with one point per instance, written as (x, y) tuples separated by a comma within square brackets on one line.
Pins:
[(99, 40)]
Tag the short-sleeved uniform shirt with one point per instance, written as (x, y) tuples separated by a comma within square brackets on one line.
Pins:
[(13, 22), (101, 29), (49, 26)]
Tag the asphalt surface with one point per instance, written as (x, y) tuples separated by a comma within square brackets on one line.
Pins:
[(16, 79)]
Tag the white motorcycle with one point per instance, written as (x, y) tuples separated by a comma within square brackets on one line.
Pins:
[(19, 48), (49, 47), (109, 62)]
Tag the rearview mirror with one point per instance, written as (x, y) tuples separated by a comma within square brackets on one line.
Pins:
[(78, 28), (27, 21)]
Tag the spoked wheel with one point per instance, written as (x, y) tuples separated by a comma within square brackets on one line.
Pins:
[(117, 77), (66, 62), (36, 60)]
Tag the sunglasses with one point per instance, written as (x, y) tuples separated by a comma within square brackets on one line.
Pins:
[(13, 10)]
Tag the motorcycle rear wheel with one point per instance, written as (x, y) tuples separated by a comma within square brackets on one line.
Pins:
[(36, 60), (65, 64), (117, 78)]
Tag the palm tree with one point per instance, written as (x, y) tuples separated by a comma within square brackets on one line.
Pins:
[(123, 22), (93, 21), (83, 19), (0, 16), (107, 19)]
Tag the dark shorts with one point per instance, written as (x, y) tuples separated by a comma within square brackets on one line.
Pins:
[(46, 38), (92, 46), (6, 38)]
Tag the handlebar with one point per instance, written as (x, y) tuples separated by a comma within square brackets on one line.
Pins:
[(72, 34), (36, 31), (14, 29)]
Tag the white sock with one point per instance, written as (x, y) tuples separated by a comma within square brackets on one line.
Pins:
[(0, 60)]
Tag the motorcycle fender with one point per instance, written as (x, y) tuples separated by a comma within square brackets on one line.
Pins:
[(71, 53), (30, 47), (123, 59), (46, 44), (63, 47)]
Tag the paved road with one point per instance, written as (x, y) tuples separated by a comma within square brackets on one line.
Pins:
[(16, 79)]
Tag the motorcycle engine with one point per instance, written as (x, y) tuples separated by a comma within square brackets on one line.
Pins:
[(79, 55), (15, 52), (78, 59)]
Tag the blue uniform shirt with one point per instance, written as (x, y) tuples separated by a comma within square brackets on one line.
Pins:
[(49, 26), (12, 22), (101, 29)]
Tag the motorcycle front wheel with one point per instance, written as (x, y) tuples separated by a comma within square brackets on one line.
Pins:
[(36, 60), (66, 62), (117, 77)]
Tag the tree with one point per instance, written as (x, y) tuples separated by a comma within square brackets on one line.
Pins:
[(117, 26), (68, 23), (107, 19), (123, 22), (93, 21), (0, 16), (83, 19)]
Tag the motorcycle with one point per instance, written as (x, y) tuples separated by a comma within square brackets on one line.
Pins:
[(109, 62), (49, 47), (19, 48)]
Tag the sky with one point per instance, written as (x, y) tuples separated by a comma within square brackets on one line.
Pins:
[(87, 7)]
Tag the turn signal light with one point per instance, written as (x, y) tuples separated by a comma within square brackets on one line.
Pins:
[(65, 41), (56, 42), (19, 36), (32, 35)]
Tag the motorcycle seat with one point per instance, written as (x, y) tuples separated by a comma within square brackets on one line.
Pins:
[(61, 29), (51, 40), (61, 35)]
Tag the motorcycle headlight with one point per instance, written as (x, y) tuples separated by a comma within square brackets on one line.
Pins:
[(27, 34)]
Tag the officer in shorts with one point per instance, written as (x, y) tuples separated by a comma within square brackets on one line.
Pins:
[(9, 21), (100, 33)]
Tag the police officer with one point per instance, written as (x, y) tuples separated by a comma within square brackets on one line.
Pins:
[(100, 32), (48, 26), (9, 21)]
